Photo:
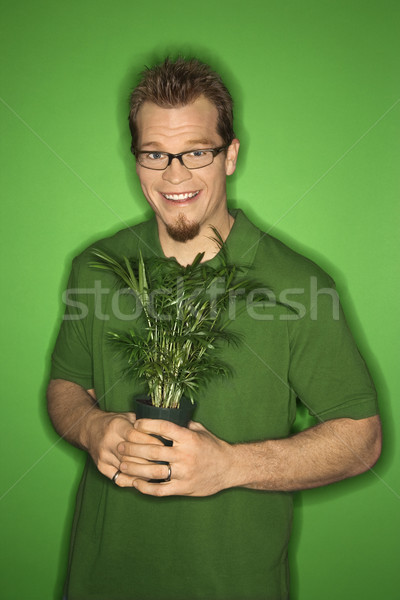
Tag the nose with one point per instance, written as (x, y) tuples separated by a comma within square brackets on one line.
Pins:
[(176, 172)]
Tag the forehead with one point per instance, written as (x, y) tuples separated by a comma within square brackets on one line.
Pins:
[(178, 126)]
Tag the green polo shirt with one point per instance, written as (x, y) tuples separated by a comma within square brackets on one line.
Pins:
[(295, 344)]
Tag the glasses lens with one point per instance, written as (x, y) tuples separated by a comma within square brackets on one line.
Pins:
[(153, 160), (197, 159)]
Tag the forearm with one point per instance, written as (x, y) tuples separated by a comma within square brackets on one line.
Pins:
[(71, 408), (329, 452)]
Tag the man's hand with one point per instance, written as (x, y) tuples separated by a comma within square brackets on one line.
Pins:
[(105, 432), (200, 462), (78, 419)]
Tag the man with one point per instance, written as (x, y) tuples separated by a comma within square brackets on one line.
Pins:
[(219, 528)]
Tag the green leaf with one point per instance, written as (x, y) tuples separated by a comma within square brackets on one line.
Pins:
[(175, 349)]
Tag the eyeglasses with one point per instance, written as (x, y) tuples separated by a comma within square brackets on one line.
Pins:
[(192, 159)]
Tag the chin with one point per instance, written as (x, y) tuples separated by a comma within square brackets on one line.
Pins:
[(183, 231)]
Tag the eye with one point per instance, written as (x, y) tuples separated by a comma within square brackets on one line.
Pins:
[(155, 155), (197, 153)]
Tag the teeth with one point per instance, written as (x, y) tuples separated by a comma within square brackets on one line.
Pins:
[(181, 197)]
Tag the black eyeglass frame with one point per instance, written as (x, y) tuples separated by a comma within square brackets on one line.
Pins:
[(171, 157)]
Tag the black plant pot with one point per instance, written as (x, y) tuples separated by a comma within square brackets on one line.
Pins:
[(180, 416)]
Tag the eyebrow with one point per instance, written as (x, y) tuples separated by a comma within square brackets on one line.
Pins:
[(191, 144), (201, 141)]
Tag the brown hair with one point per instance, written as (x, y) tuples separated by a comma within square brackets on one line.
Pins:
[(179, 83)]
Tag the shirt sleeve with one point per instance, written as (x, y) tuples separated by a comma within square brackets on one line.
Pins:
[(72, 355), (327, 371)]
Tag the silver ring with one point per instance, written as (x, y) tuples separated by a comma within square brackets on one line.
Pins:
[(169, 473), (114, 479)]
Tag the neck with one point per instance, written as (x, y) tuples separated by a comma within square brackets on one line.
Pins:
[(185, 252)]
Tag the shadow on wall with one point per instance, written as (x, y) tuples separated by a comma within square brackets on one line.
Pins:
[(75, 456)]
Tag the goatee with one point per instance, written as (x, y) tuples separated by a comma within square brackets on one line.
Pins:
[(183, 230)]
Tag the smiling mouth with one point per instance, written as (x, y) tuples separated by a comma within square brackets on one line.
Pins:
[(181, 197)]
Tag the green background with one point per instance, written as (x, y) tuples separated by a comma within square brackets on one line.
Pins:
[(317, 111)]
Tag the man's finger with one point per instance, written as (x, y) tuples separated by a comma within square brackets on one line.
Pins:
[(156, 489), (148, 452), (131, 416), (131, 449), (135, 436), (145, 471), (166, 429), (195, 426), (123, 480)]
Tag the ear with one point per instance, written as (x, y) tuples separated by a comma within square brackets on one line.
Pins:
[(231, 157)]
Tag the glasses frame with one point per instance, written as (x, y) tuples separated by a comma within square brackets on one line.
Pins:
[(179, 156)]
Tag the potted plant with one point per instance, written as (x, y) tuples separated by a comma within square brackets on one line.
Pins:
[(174, 348)]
